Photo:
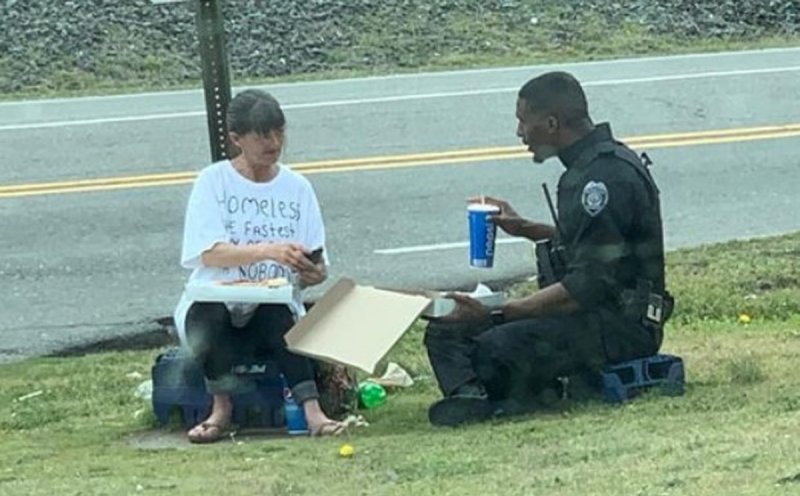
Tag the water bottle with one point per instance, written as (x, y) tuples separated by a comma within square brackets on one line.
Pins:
[(371, 395), (293, 414)]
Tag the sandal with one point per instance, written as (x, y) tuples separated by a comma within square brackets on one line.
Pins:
[(207, 432), (331, 428)]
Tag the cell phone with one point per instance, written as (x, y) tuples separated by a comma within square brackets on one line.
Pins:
[(315, 256)]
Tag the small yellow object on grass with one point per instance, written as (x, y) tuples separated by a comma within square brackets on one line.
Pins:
[(744, 318), (346, 451)]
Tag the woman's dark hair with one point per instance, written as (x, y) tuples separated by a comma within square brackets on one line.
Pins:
[(254, 111)]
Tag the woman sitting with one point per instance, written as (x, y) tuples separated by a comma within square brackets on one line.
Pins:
[(250, 218)]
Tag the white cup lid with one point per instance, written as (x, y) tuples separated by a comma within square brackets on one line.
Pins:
[(482, 207)]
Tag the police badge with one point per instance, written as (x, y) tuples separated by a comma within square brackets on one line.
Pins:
[(594, 197)]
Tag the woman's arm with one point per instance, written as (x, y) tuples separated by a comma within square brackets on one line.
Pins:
[(229, 255)]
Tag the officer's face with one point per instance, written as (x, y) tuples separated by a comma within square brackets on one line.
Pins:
[(538, 131)]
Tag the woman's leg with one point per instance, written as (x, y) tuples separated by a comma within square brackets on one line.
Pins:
[(209, 335), (270, 323)]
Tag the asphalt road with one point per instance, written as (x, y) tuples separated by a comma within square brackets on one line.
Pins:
[(79, 266)]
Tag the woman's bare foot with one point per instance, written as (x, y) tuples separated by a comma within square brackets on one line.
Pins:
[(217, 424), (318, 423)]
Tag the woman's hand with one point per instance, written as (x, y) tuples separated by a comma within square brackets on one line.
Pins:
[(291, 255), (312, 277)]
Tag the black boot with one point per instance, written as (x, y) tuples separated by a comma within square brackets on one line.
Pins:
[(468, 404)]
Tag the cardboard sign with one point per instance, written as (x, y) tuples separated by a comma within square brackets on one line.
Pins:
[(355, 325)]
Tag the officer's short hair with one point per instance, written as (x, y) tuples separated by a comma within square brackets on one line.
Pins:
[(556, 93), (254, 111)]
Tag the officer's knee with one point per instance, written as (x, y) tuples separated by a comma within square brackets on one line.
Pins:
[(496, 338), (432, 329), (449, 330), (509, 345), (491, 349)]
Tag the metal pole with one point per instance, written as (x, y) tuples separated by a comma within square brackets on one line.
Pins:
[(216, 77)]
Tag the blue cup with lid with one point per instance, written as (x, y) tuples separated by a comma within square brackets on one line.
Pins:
[(482, 234)]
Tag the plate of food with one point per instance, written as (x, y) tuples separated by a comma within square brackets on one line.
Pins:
[(278, 290), (441, 306)]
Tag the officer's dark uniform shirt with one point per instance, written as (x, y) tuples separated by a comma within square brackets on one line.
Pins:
[(610, 221)]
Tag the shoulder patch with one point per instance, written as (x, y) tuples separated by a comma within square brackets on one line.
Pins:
[(595, 197)]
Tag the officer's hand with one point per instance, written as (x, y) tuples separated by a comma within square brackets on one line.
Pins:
[(467, 310), (508, 219)]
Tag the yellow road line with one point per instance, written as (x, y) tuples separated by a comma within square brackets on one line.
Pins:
[(400, 161), (749, 131)]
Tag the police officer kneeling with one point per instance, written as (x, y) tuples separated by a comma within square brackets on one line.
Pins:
[(602, 296)]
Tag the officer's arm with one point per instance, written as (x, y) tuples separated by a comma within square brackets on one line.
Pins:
[(604, 220), (554, 299), (535, 231)]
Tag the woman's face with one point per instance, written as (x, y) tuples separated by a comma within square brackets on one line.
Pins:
[(260, 150)]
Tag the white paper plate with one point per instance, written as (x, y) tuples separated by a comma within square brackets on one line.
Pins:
[(441, 306), (211, 291)]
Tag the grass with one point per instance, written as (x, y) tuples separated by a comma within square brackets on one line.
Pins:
[(759, 278), (123, 67), (732, 433)]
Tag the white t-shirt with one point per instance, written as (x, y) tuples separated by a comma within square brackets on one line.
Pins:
[(226, 207)]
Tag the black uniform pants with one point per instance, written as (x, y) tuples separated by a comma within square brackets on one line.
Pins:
[(219, 346), (519, 359)]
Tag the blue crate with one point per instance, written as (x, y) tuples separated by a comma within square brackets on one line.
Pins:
[(624, 380), (264, 406), (178, 383)]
